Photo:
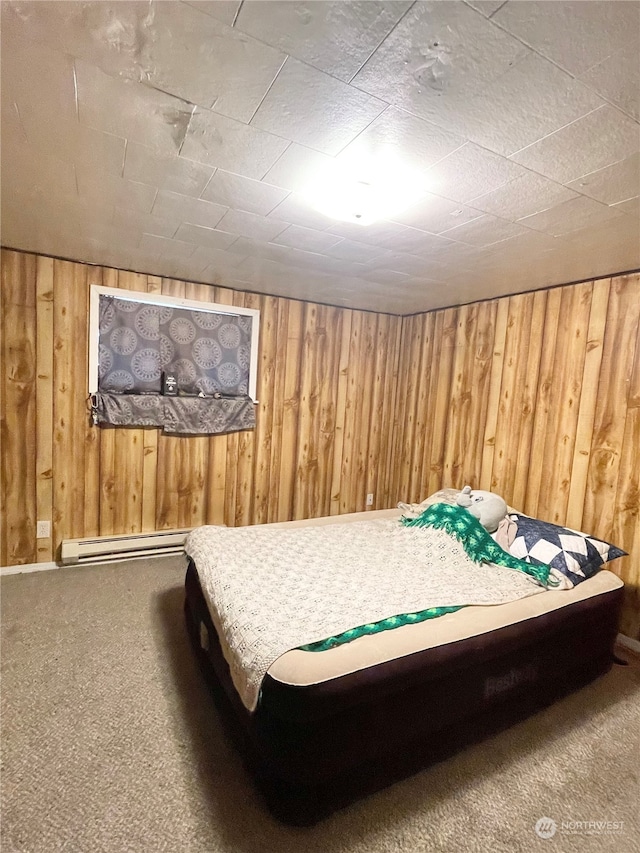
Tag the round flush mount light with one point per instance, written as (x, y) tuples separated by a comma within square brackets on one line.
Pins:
[(364, 190)]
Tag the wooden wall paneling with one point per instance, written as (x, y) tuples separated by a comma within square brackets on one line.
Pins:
[(625, 531), (410, 382), (232, 442), (291, 404), (195, 451), (376, 457), (508, 450), (493, 393), (337, 481), (330, 320), (87, 433), (349, 447), (458, 420), (431, 381), (528, 397), (246, 451), (588, 398), (44, 402), (441, 400), (170, 485), (609, 422), (306, 476), (150, 452), (365, 414), (68, 493), (387, 485), (570, 353), (129, 449), (108, 495), (479, 391), (265, 410), (421, 425), (544, 403), (19, 416), (278, 407)]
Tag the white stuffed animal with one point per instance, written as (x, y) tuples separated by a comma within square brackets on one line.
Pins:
[(487, 507)]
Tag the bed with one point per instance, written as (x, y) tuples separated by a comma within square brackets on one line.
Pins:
[(332, 726)]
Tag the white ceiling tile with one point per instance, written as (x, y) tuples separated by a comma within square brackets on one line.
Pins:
[(231, 145), (173, 206), (528, 194), (131, 110), (439, 51), (33, 175), (335, 37), (111, 35), (377, 233), (599, 139), (351, 250), (41, 82), (165, 246), (615, 183), (487, 7), (209, 237), (529, 101), (243, 193), (204, 257), (306, 238), (172, 173), (570, 216), (297, 168), (314, 109), (191, 55), (102, 188), (249, 225), (124, 218), (416, 143), (617, 78), (484, 231), (223, 10), (630, 207), (471, 171), (297, 210), (412, 240), (382, 276), (436, 214), (575, 35)]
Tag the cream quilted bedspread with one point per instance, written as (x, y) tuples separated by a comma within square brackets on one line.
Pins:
[(271, 590)]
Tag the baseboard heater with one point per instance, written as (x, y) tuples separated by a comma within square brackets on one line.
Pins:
[(102, 549)]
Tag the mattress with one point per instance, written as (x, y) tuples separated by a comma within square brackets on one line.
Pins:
[(333, 725)]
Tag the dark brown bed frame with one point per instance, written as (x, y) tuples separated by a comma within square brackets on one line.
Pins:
[(317, 748)]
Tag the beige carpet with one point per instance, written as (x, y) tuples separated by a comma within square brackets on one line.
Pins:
[(111, 743)]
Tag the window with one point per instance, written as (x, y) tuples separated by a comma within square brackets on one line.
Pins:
[(186, 366)]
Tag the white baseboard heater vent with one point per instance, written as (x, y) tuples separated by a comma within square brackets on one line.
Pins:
[(102, 549)]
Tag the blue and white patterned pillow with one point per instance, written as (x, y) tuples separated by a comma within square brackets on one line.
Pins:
[(576, 555)]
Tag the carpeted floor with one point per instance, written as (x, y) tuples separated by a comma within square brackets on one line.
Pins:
[(111, 743)]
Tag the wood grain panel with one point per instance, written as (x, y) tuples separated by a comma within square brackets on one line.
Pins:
[(536, 396)]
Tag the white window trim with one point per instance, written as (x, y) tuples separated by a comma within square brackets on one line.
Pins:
[(170, 301)]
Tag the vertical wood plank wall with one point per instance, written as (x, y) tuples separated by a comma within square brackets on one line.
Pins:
[(317, 450), (535, 396)]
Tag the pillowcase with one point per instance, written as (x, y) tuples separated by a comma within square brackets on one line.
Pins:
[(573, 554)]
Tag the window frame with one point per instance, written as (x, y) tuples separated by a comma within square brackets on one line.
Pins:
[(98, 290)]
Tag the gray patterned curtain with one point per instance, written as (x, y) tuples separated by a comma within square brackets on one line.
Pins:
[(208, 354)]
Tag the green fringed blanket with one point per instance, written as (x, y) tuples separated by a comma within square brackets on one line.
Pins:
[(478, 545), (475, 540)]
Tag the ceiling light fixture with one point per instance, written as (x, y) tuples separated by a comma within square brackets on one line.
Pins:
[(364, 190)]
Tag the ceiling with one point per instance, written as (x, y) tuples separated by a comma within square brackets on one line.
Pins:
[(177, 139)]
